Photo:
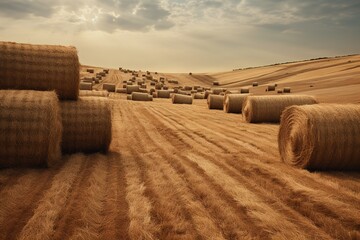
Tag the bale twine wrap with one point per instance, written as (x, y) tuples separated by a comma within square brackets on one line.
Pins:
[(138, 96), (87, 93), (181, 99), (40, 67), (163, 94), (215, 101), (86, 125), (132, 88), (85, 86), (269, 108), (30, 128), (321, 137), (199, 96), (233, 102), (109, 87)]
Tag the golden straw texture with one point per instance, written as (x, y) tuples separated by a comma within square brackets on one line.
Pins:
[(215, 101), (30, 128), (321, 137), (233, 102), (86, 125), (269, 108), (181, 99), (87, 93), (40, 67)]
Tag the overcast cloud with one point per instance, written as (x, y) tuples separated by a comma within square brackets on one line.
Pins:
[(257, 31)]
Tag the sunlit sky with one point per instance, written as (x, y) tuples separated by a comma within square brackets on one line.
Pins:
[(186, 35)]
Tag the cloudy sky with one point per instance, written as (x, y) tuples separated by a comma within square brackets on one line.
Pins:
[(186, 35)]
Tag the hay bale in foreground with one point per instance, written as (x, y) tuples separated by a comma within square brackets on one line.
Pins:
[(86, 125), (138, 96), (233, 102), (109, 87), (163, 94), (87, 93), (40, 67), (321, 137), (132, 88), (215, 101), (30, 128), (181, 99), (269, 108), (85, 86)]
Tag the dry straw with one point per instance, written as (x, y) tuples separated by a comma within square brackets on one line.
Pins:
[(86, 125), (137, 96), (321, 137), (181, 99), (163, 94), (215, 101), (233, 102), (30, 128), (132, 88), (109, 87), (87, 93), (269, 108), (85, 86), (40, 67)]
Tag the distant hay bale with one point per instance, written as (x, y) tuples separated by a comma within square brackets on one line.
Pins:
[(86, 125), (158, 86), (121, 90), (175, 81), (90, 70), (124, 85), (216, 83), (233, 102), (244, 90), (215, 102), (152, 83), (143, 90), (87, 93), (103, 74), (40, 67), (154, 94), (149, 77), (279, 91), (188, 88), (196, 87), (152, 90), (200, 89), (128, 97), (199, 96), (321, 137), (271, 88), (109, 87), (85, 86), (30, 128), (255, 84), (217, 91), (143, 86), (287, 90), (129, 83), (130, 89), (96, 81), (163, 94), (193, 91), (181, 99), (137, 96), (207, 93), (269, 108), (88, 79), (124, 81), (184, 92), (165, 87)]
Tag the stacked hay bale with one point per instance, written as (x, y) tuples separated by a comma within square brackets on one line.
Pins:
[(321, 137), (41, 75), (215, 101), (269, 108)]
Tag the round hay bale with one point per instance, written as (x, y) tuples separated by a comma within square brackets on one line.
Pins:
[(152, 90), (129, 83), (321, 137), (207, 93), (152, 83), (269, 108), (196, 87), (158, 86), (188, 88), (233, 103), (85, 86), (270, 88), (244, 90), (143, 85), (216, 83), (163, 94), (137, 96), (255, 84), (121, 90), (143, 90), (88, 79), (109, 87), (200, 89), (176, 90), (215, 102), (40, 67), (132, 88), (128, 97), (286, 90), (181, 99), (279, 91), (87, 93), (86, 125), (96, 81), (217, 91), (154, 94), (124, 85), (90, 70), (193, 91), (199, 96), (165, 87), (175, 81), (183, 92), (124, 81), (30, 127)]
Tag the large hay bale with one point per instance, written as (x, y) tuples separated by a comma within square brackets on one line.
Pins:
[(30, 128), (40, 67), (181, 99), (132, 88), (269, 108), (163, 94), (85, 86), (199, 96), (215, 101), (87, 93), (109, 87), (137, 96), (321, 137), (233, 102), (86, 125)]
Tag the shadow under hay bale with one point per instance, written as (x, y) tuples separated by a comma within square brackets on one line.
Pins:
[(40, 67), (86, 125), (258, 109), (215, 102), (137, 96), (30, 127), (233, 103), (109, 87), (321, 137), (87, 93), (163, 94), (181, 99)]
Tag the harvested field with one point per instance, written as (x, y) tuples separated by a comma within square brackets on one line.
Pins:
[(179, 171)]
